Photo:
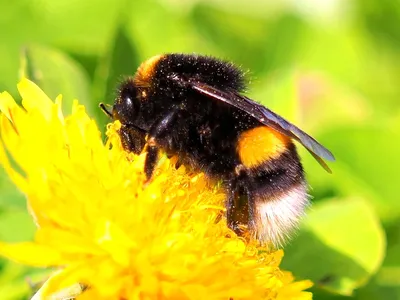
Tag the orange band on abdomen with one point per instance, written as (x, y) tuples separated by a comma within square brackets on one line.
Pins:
[(260, 144)]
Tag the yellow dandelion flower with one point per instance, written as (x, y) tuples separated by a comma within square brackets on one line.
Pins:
[(100, 226)]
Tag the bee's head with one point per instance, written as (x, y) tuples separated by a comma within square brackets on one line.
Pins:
[(127, 105), (126, 110)]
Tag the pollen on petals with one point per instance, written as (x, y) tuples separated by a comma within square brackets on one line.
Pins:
[(107, 232)]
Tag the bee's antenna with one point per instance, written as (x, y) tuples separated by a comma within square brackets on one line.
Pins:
[(105, 110)]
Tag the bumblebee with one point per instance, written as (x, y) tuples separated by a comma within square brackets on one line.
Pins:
[(193, 107)]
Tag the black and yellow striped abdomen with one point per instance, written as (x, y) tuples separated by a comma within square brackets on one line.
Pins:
[(275, 181)]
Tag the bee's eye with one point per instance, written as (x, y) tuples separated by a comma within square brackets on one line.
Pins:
[(126, 105)]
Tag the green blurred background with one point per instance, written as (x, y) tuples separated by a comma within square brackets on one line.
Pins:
[(332, 67)]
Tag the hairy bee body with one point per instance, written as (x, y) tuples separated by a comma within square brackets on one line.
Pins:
[(191, 106)]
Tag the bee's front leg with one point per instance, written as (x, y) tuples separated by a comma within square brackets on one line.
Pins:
[(132, 139), (157, 137)]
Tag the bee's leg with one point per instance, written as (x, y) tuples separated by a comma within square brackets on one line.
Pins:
[(230, 205), (158, 135), (132, 140), (151, 158), (251, 206), (237, 207)]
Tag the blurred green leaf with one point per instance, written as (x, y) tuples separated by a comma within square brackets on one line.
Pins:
[(245, 32), (18, 281), (80, 27), (9, 68), (16, 225), (340, 246), (337, 51), (278, 92), (12, 284), (381, 20), (386, 283), (158, 28), (56, 73), (325, 103), (260, 44), (369, 154), (377, 291), (121, 61), (346, 57), (10, 195), (19, 19)]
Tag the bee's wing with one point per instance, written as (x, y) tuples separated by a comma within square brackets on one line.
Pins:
[(268, 118)]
